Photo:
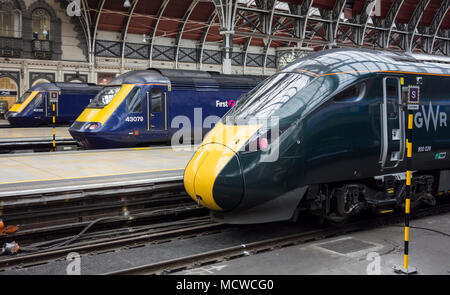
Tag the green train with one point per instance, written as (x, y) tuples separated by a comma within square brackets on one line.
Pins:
[(327, 134)]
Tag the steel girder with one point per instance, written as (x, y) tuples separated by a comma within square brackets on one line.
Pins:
[(388, 24), (405, 41), (414, 22), (180, 32), (301, 22), (98, 14), (299, 26), (433, 29), (204, 35), (161, 10), (362, 19), (125, 30), (226, 10)]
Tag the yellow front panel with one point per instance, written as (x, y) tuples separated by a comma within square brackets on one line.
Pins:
[(191, 170), (15, 107), (232, 136), (102, 115), (218, 147), (207, 165), (19, 107)]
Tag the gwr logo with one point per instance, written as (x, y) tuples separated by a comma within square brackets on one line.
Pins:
[(225, 104), (422, 117)]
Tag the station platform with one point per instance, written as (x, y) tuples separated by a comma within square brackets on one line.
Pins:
[(368, 252), (60, 171), (8, 135), (4, 123)]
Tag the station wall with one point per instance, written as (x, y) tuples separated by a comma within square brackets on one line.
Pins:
[(45, 44)]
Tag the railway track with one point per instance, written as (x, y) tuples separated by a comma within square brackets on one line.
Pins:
[(47, 221), (163, 224), (38, 209), (237, 251), (104, 241), (156, 214), (36, 145)]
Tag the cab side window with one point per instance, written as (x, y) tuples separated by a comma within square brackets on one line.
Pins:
[(352, 93), (391, 91), (156, 100), (134, 101), (38, 101)]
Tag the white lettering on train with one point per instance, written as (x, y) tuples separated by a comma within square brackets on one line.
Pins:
[(422, 116)]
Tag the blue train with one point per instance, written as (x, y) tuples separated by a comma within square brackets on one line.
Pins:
[(142, 107), (34, 107)]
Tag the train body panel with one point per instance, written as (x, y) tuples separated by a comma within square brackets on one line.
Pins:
[(155, 107), (35, 108), (340, 141)]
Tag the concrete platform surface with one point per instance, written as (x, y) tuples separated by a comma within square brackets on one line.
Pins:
[(373, 251), (52, 170), (15, 134)]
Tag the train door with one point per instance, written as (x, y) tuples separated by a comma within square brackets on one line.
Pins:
[(157, 109), (392, 124), (50, 98)]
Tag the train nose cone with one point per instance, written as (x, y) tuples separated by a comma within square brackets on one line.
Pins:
[(214, 175)]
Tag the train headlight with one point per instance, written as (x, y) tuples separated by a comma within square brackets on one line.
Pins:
[(263, 143), (11, 114), (262, 139), (92, 126)]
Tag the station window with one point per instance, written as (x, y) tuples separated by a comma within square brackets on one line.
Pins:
[(352, 94), (156, 100), (134, 101), (10, 21), (41, 24)]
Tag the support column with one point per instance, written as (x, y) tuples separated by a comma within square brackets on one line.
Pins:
[(226, 10), (227, 51)]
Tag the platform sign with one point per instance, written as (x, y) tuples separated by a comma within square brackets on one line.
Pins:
[(413, 97), (54, 96)]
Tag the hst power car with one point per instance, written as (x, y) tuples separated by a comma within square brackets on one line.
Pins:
[(337, 146), (141, 107), (34, 107)]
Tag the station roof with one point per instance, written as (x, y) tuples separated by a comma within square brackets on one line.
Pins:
[(195, 19)]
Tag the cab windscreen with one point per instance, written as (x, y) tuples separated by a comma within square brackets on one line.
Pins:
[(24, 97), (104, 97)]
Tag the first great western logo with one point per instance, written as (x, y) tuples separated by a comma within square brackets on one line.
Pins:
[(225, 103)]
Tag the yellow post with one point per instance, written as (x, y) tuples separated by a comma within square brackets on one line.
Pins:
[(54, 129), (407, 269)]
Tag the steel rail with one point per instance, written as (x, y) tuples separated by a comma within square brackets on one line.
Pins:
[(107, 244), (220, 255)]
